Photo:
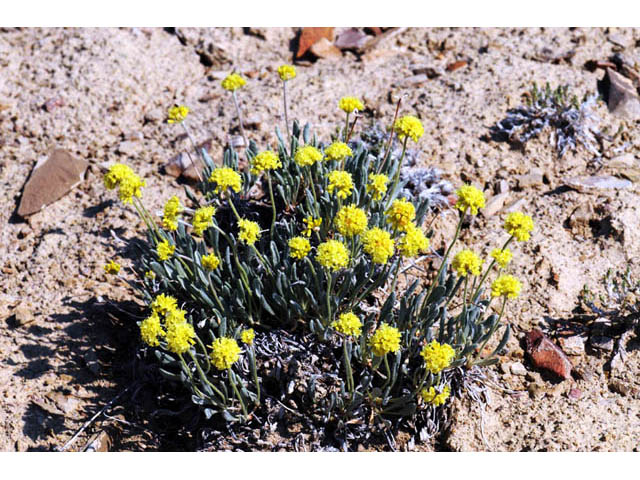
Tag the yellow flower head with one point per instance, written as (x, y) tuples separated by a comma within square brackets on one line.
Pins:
[(340, 181), (174, 317), (519, 225), (171, 210), (502, 257), (413, 242), (349, 104), (225, 352), (112, 267), (247, 336), (203, 219), (210, 261), (128, 183), (437, 357), (299, 247), (311, 225), (164, 303), (180, 337), (233, 82), (265, 161), (469, 198), (506, 286), (401, 214), (378, 243), (333, 254), (386, 339), (409, 126), (337, 151), (351, 220), (249, 231), (287, 72), (177, 114), (116, 174), (150, 330), (307, 156), (348, 324), (429, 395), (165, 250), (225, 177), (377, 185), (150, 274), (466, 262)]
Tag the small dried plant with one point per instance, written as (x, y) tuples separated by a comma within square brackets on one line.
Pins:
[(234, 284)]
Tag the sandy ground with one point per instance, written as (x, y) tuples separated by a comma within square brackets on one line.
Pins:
[(66, 354)]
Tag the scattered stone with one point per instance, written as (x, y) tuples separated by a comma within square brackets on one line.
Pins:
[(452, 67), (502, 186), (618, 386), (101, 442), (585, 373), (620, 94), (415, 80), (534, 178), (516, 206), (50, 180), (310, 35), (181, 165), (58, 403), (579, 221), (575, 394), (573, 345), (24, 314), (618, 40), (547, 355), (352, 39), (596, 183), (253, 121), (323, 48), (128, 147), (237, 141), (534, 377), (505, 368), (518, 369), (53, 103), (626, 166), (495, 204), (536, 391), (601, 342), (430, 72)]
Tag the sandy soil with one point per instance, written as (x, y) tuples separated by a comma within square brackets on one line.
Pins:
[(65, 350)]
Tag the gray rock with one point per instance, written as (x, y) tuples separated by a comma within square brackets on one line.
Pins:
[(24, 314), (430, 72), (621, 95), (597, 183), (601, 342), (495, 204), (534, 178), (573, 345), (518, 369)]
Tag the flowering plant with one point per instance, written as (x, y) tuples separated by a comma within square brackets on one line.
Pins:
[(313, 255)]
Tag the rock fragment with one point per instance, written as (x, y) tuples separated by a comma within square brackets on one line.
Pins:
[(518, 369), (310, 35), (495, 204), (323, 48), (534, 178), (50, 180), (573, 345), (620, 94), (352, 39), (452, 67), (597, 183), (546, 355)]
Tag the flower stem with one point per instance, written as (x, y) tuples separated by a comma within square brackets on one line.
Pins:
[(244, 136), (390, 142), (286, 110), (237, 392), (273, 205), (347, 367), (346, 129), (195, 147)]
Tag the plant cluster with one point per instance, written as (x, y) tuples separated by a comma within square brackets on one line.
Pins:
[(570, 120), (223, 275)]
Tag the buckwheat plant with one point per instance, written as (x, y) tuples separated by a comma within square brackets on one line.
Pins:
[(314, 255)]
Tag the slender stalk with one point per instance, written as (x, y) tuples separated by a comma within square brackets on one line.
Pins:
[(262, 260), (233, 207), (390, 142), (388, 369), (312, 186), (204, 378), (286, 110), (273, 205), (195, 147), (474, 298), (347, 367), (244, 136), (329, 280), (396, 177), (353, 126), (504, 302), (346, 129), (237, 392), (254, 372)]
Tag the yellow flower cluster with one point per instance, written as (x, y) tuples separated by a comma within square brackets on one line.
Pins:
[(151, 329), (128, 183), (249, 231), (506, 286), (311, 225), (519, 225), (177, 114), (171, 210), (469, 198), (377, 185), (386, 339), (348, 324), (300, 247), (247, 336), (409, 126), (233, 82), (307, 156), (267, 160), (502, 257), (340, 181), (179, 334), (337, 151), (112, 267), (210, 261), (351, 220), (466, 262), (434, 398), (379, 244), (165, 250), (224, 352), (164, 303), (203, 219), (413, 242), (286, 72), (225, 177), (150, 274), (437, 357), (349, 104), (333, 255), (401, 214)]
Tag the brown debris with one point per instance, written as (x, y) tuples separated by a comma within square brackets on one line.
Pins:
[(323, 48), (546, 355), (310, 35), (51, 180), (452, 67)]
